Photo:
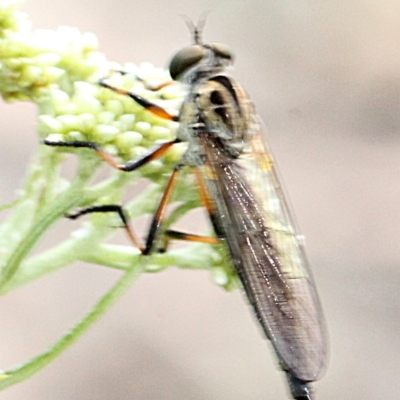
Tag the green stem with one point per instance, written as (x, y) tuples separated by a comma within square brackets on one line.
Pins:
[(39, 362), (42, 264), (49, 214), (112, 255)]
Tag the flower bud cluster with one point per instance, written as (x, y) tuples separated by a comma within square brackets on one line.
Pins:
[(116, 122), (60, 69)]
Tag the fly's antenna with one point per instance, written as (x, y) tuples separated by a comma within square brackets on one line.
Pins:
[(196, 30)]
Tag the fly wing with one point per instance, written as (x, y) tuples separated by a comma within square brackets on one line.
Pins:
[(253, 216)]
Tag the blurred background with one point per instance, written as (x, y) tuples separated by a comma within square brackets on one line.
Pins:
[(325, 78)]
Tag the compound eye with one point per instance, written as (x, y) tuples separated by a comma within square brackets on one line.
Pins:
[(222, 50), (184, 59)]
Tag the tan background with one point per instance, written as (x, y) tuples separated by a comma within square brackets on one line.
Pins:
[(325, 77)]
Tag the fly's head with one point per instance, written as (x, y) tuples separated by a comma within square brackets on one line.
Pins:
[(199, 59), (216, 104)]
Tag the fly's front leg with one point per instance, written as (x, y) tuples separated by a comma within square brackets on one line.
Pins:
[(153, 88), (153, 154), (146, 104)]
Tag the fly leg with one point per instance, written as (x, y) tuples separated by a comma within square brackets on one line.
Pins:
[(156, 224), (155, 153), (171, 234), (146, 104), (153, 88), (111, 208)]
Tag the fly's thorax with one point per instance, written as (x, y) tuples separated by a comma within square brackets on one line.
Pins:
[(219, 108)]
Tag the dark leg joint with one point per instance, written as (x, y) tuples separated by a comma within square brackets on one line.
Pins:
[(101, 209), (88, 145)]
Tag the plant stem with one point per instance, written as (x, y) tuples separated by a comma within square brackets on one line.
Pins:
[(39, 362)]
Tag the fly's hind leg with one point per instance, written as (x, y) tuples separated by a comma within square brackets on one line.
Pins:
[(114, 208)]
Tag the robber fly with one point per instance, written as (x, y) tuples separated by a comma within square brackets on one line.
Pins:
[(239, 187)]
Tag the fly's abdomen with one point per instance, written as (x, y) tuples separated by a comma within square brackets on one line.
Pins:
[(269, 260)]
